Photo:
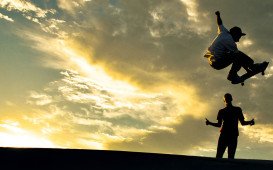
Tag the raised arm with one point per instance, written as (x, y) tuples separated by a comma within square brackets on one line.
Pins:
[(244, 123), (218, 124), (219, 20)]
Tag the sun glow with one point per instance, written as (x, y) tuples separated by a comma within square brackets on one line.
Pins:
[(24, 140), (97, 74), (110, 101), (12, 135)]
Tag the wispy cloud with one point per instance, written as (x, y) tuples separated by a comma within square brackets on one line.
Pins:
[(104, 114), (24, 7), (93, 106), (30, 11), (261, 133), (71, 6), (196, 17), (40, 99), (5, 17)]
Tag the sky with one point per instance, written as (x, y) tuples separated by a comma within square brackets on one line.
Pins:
[(129, 75)]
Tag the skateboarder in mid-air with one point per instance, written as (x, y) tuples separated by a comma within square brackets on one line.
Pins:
[(228, 118), (223, 52)]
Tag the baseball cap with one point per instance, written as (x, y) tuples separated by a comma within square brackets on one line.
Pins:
[(237, 30)]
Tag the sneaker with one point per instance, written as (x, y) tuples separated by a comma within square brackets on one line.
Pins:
[(255, 67), (234, 78)]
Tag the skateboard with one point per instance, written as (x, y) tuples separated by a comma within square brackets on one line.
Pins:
[(248, 75)]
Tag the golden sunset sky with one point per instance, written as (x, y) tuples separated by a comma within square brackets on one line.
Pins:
[(129, 75)]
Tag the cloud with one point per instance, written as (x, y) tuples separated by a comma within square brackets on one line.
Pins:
[(145, 49), (71, 6), (182, 141), (261, 133), (5, 17), (139, 43), (109, 115), (30, 11), (25, 7), (196, 17), (40, 99)]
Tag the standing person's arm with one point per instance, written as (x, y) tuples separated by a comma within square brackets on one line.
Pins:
[(242, 119), (244, 123), (219, 20), (218, 124)]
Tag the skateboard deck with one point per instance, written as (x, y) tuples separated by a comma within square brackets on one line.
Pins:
[(248, 75)]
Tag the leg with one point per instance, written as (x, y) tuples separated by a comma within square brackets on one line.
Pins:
[(220, 63), (239, 60), (244, 60), (232, 147), (221, 147)]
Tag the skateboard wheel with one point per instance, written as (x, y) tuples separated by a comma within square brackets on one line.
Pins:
[(242, 84), (263, 73)]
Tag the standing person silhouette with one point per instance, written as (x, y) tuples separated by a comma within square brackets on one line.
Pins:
[(223, 51), (228, 118)]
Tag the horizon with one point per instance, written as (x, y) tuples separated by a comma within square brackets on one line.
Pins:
[(118, 75)]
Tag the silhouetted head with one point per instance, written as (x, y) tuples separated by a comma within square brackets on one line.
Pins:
[(227, 98), (236, 33)]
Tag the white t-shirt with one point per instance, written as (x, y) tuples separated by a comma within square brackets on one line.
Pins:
[(222, 44)]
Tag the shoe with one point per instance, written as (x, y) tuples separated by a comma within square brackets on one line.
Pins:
[(233, 78), (255, 67)]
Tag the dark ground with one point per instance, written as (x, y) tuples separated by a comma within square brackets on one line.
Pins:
[(18, 158)]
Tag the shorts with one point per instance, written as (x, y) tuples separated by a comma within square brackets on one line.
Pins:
[(220, 63)]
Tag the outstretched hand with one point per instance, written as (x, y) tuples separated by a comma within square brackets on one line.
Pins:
[(252, 122), (217, 13), (207, 121)]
